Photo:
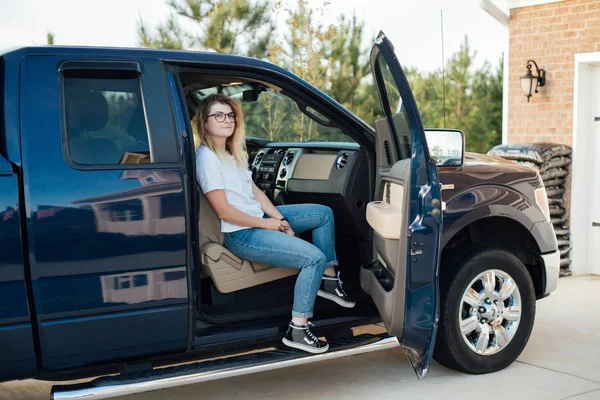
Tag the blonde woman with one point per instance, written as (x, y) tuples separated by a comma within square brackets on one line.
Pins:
[(256, 230)]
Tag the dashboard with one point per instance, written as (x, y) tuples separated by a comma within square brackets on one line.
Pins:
[(332, 174)]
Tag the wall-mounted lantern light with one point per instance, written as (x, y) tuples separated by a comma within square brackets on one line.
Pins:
[(531, 82)]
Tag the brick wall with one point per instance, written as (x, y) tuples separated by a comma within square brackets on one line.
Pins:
[(550, 34)]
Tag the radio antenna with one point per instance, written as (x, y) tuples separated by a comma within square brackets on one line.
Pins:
[(443, 70)]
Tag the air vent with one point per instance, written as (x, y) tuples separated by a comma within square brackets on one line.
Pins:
[(288, 158), (388, 155), (341, 161), (279, 151), (258, 158)]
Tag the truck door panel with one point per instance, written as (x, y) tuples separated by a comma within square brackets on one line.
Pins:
[(105, 212), (405, 217), (17, 352)]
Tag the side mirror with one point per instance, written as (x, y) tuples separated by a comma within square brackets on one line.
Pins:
[(446, 148)]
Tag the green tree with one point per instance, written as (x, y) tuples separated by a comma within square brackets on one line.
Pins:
[(335, 59), (168, 35), (427, 89), (487, 91), (332, 57), (350, 71), (347, 60), (473, 99), (302, 51), (49, 38), (242, 27)]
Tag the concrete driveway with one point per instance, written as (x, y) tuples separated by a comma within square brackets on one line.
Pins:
[(561, 361)]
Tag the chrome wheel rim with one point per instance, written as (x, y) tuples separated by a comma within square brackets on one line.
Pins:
[(490, 312)]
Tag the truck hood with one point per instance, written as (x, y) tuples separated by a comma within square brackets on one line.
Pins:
[(482, 170), (484, 163)]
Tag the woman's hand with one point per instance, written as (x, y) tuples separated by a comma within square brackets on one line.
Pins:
[(286, 228), (273, 224)]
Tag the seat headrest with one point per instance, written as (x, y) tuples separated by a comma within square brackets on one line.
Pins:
[(87, 111)]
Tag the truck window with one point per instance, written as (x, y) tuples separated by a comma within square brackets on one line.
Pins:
[(104, 119), (391, 99), (275, 116)]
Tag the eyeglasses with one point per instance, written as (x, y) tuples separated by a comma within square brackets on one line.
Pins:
[(221, 117)]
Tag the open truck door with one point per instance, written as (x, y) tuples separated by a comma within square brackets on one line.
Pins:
[(406, 216)]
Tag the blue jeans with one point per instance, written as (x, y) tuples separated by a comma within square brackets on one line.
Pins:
[(282, 250)]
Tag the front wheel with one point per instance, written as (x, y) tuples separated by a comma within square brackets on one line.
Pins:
[(487, 310)]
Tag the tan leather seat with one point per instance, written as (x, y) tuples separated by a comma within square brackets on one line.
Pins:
[(229, 272)]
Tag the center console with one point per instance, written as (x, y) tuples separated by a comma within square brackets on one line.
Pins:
[(267, 167), (336, 176), (272, 168)]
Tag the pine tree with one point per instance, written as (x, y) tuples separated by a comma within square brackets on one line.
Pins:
[(487, 92), (473, 99), (228, 26), (335, 59)]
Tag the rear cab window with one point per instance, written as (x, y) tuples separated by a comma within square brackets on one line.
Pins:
[(106, 118)]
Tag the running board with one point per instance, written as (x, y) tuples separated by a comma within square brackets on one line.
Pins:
[(163, 378)]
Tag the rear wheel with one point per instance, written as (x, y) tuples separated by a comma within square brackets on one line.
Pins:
[(487, 310)]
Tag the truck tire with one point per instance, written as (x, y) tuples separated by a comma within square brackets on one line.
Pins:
[(481, 328)]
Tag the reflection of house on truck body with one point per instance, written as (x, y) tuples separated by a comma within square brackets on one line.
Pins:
[(141, 211), (136, 288), (125, 222)]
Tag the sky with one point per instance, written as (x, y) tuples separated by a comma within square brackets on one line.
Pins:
[(413, 26)]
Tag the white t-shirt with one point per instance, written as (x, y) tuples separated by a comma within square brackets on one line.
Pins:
[(212, 173)]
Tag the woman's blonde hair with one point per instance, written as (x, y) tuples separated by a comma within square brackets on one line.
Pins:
[(236, 143)]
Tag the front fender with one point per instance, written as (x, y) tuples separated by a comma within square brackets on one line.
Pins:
[(490, 201)]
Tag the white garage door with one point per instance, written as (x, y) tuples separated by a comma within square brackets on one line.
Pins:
[(594, 224)]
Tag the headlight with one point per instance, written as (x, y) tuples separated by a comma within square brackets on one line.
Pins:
[(541, 198)]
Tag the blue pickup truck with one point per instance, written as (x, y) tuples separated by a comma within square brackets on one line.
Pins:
[(113, 265)]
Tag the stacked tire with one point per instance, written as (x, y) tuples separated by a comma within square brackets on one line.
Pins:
[(553, 162)]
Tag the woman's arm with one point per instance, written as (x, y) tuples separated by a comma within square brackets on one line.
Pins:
[(265, 203), (270, 209), (216, 198)]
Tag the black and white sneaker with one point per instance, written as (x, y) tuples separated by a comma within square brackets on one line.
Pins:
[(332, 289), (300, 337)]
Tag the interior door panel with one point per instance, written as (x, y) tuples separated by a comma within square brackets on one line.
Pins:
[(387, 216)]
